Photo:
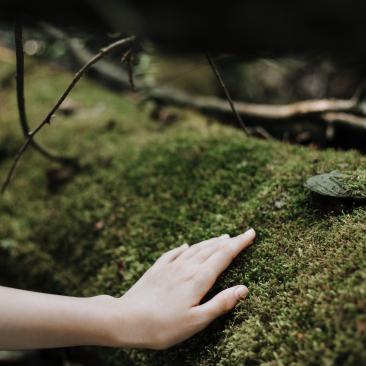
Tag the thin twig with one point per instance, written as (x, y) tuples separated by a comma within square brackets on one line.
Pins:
[(128, 59), (48, 118), (107, 70), (226, 91), (359, 93), (18, 35), (78, 75), (130, 71)]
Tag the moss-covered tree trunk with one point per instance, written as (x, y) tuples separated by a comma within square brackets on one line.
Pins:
[(146, 190)]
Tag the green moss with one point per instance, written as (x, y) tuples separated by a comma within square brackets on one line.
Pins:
[(146, 191), (355, 183)]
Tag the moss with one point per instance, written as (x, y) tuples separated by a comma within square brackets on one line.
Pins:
[(146, 191), (354, 183)]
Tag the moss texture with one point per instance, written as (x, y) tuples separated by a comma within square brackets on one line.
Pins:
[(147, 189), (355, 183)]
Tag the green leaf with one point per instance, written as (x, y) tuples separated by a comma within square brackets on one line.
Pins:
[(334, 184)]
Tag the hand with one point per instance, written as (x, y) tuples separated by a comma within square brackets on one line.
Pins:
[(163, 307)]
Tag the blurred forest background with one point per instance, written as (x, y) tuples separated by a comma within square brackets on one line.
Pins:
[(269, 81)]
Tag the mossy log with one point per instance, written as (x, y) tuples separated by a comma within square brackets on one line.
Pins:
[(146, 189)]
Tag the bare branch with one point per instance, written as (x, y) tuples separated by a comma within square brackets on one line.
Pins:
[(351, 119), (209, 104), (48, 118), (226, 91), (128, 59), (18, 33), (78, 75), (106, 69), (18, 36)]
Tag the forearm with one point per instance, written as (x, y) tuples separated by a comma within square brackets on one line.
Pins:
[(35, 320), (161, 309)]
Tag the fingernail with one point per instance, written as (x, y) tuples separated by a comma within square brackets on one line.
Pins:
[(250, 232), (185, 245), (241, 292), (225, 236)]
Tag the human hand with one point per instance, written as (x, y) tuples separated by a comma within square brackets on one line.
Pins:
[(160, 310), (163, 307)]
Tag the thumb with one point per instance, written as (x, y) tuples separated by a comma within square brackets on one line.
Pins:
[(223, 302)]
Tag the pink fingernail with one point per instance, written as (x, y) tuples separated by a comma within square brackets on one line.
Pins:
[(241, 292)]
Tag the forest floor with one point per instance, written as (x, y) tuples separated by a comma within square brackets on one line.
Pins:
[(147, 186)]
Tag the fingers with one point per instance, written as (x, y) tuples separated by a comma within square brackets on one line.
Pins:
[(207, 250), (215, 253), (220, 304), (172, 254), (227, 251), (241, 242), (196, 248), (208, 243)]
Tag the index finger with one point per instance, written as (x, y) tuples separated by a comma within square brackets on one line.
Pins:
[(226, 252)]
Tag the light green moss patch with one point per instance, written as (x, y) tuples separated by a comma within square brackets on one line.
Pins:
[(355, 183), (147, 190)]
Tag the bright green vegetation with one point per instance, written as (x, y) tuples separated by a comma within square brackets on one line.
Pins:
[(147, 189), (355, 183)]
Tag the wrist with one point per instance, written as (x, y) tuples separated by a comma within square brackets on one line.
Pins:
[(123, 328), (105, 319), (128, 327), (116, 323)]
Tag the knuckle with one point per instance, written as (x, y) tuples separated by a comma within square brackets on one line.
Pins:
[(200, 277), (210, 273), (161, 258), (226, 250), (194, 248), (201, 255), (184, 271), (164, 255), (194, 318)]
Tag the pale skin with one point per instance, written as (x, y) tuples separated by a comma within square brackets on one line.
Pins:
[(162, 309)]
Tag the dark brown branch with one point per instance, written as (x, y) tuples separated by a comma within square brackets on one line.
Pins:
[(226, 91), (107, 70), (48, 118), (18, 35), (78, 75), (128, 59)]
